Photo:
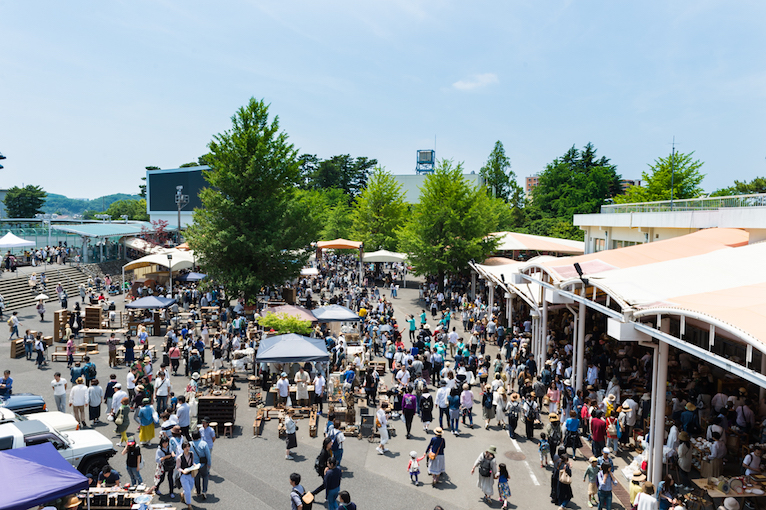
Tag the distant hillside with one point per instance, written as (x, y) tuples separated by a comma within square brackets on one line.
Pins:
[(59, 204)]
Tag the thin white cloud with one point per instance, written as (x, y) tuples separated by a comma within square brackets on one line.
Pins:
[(476, 81)]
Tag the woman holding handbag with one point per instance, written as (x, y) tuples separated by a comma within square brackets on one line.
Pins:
[(435, 454), (122, 421), (564, 483)]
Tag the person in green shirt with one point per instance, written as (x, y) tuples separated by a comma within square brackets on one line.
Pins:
[(591, 474)]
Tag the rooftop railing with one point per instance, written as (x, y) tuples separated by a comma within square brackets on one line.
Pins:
[(689, 204)]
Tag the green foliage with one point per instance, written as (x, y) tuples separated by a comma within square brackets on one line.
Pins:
[(339, 222), (60, 204), (576, 183), (757, 185), (554, 227), (252, 230), (24, 202), (379, 212), (283, 323), (686, 182), (134, 209), (342, 172), (497, 174), (330, 209), (450, 224)]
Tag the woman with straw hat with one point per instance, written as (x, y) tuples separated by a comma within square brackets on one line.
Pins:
[(435, 454)]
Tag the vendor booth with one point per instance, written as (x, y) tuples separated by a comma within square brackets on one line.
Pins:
[(36, 475)]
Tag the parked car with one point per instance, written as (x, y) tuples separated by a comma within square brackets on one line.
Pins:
[(86, 450), (24, 403), (62, 422)]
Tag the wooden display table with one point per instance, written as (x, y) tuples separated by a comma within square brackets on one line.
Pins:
[(714, 493), (60, 354)]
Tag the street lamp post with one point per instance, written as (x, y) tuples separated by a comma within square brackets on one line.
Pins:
[(170, 275), (181, 201)]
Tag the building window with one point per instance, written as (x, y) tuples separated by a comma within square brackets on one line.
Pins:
[(622, 244), (599, 245)]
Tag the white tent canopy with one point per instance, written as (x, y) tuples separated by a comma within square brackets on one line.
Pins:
[(181, 259), (384, 256), (12, 241)]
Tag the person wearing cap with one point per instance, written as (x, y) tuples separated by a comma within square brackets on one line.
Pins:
[(133, 462), (487, 472), (283, 388), (645, 500), (604, 459), (146, 422), (591, 475), (435, 453)]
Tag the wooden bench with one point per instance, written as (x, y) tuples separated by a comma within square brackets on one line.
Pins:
[(60, 354)]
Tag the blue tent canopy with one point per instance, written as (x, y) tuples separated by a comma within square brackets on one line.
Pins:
[(35, 475), (151, 302), (292, 348), (191, 277), (335, 313)]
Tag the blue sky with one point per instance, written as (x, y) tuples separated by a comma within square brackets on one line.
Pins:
[(92, 92)]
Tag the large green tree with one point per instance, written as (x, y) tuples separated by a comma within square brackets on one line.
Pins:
[(252, 229), (576, 183), (379, 212), (449, 225), (134, 209), (342, 172), (497, 174), (757, 185), (24, 202), (681, 168)]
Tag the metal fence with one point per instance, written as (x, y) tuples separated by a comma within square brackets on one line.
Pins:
[(689, 204)]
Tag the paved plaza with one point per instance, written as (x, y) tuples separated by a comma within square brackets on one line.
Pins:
[(251, 472)]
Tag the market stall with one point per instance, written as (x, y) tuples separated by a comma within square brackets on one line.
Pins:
[(36, 475)]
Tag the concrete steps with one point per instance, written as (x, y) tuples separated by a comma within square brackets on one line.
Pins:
[(17, 294)]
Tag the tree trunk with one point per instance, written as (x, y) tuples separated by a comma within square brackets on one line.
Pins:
[(441, 281)]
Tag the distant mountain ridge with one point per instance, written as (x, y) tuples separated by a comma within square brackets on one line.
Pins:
[(60, 204)]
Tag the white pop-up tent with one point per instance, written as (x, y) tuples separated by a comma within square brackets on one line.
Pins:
[(10, 240), (384, 256)]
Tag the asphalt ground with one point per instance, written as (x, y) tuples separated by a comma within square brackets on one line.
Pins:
[(251, 472)]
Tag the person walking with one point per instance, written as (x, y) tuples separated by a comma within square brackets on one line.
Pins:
[(161, 391), (297, 493), (409, 406), (95, 398), (78, 399), (165, 458), (426, 409), (133, 462), (563, 474), (146, 422), (201, 454), (59, 392), (487, 472), (29, 344), (381, 421), (572, 433), (184, 463), (435, 454), (466, 405), (331, 484), (514, 411), (40, 346), (453, 402), (487, 405), (122, 421), (606, 482), (291, 440), (531, 414), (14, 324)]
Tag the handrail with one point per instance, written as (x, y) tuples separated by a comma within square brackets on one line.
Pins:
[(689, 204)]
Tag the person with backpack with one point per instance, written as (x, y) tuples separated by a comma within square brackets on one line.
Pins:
[(89, 371), (409, 407), (426, 409), (487, 472), (531, 413), (487, 405), (298, 493), (338, 438), (514, 410), (553, 431)]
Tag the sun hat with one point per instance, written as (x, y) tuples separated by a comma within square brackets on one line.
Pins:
[(590, 387), (606, 450), (684, 436), (438, 431), (195, 375), (567, 382), (514, 397), (638, 476), (730, 504), (593, 459), (532, 394), (492, 449), (413, 454), (646, 396), (501, 390), (690, 406), (554, 417), (612, 397)]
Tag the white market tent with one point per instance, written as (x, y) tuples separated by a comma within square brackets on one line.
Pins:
[(10, 240), (335, 313), (181, 259), (384, 256), (514, 241)]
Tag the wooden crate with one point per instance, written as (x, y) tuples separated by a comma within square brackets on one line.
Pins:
[(60, 320), (17, 348), (92, 319)]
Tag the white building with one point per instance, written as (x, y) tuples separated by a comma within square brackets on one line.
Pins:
[(411, 184), (621, 225)]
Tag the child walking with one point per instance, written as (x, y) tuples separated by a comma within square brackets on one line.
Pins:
[(591, 474), (413, 466), (503, 490), (544, 448)]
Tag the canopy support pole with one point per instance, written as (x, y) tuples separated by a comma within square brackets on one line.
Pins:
[(491, 301), (579, 377), (658, 418), (473, 285), (544, 332)]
